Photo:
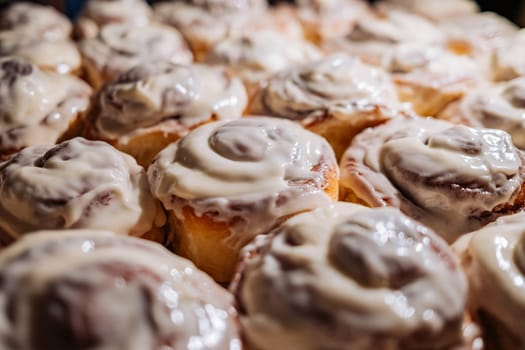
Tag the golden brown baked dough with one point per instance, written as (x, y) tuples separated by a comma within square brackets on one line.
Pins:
[(452, 178), (38, 107), (154, 104), (118, 47), (228, 181), (335, 97), (77, 184)]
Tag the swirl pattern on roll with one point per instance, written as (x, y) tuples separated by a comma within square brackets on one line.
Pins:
[(452, 178), (250, 172), (256, 55), (37, 106), (98, 13), (76, 184), (494, 260), (374, 36), (337, 85), (500, 106), (35, 20), (205, 22), (350, 277), (93, 290), (119, 47), (150, 94)]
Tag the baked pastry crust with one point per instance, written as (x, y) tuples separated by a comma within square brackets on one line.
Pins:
[(155, 104), (452, 178), (226, 182), (38, 107)]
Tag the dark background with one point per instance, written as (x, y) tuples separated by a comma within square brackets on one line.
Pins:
[(511, 9)]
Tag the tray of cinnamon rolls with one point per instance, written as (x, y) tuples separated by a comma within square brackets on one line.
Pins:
[(227, 175)]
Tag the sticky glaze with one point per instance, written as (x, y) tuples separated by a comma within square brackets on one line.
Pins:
[(335, 85), (254, 56), (256, 170), (140, 296), (150, 94), (37, 106), (350, 277), (446, 176), (76, 184)]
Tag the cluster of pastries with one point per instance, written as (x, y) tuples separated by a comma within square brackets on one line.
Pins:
[(225, 174)]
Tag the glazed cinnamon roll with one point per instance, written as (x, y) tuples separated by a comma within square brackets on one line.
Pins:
[(325, 19), (226, 182), (205, 22), (452, 178), (507, 61), (429, 78), (500, 106), (255, 56), (476, 34), (86, 289), (40, 35), (374, 37), (154, 104), (98, 13), (60, 56), (350, 277), (35, 20), (76, 184), (119, 47), (335, 97), (494, 260), (432, 10), (38, 107)]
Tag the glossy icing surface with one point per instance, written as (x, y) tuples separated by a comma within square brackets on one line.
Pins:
[(76, 184), (447, 176), (37, 106), (256, 169), (350, 277), (139, 296), (336, 85), (150, 94), (119, 47), (494, 260)]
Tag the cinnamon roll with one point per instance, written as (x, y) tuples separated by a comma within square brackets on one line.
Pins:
[(494, 260), (60, 56), (228, 181), (154, 104), (507, 61), (374, 37), (37, 106), (40, 35), (429, 78), (335, 97), (452, 178), (326, 19), (500, 106), (205, 22), (119, 47), (255, 56), (98, 13), (432, 10), (476, 34), (35, 20), (76, 184), (86, 289), (350, 277)]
